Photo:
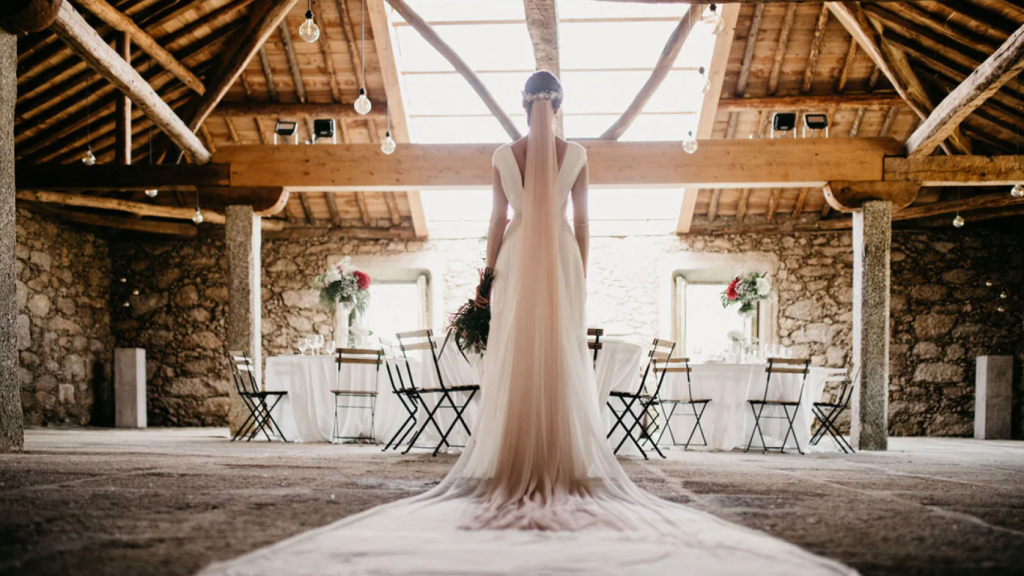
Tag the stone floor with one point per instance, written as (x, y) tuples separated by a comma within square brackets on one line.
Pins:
[(161, 501)]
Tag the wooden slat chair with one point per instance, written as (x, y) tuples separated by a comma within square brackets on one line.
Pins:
[(259, 402), (363, 399), (827, 413), (776, 366), (594, 341), (423, 340), (645, 399), (692, 406), (406, 394)]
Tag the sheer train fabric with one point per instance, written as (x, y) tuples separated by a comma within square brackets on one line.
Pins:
[(538, 489)]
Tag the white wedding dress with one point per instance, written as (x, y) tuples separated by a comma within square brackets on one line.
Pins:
[(538, 489)]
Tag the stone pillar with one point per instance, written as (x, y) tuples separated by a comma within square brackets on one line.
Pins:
[(11, 418), (993, 398), (243, 240), (872, 242), (129, 388)]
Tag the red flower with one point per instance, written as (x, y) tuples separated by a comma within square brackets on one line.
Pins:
[(730, 292), (362, 279)]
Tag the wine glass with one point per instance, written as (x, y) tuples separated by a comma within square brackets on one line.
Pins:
[(303, 345), (319, 343), (330, 347)]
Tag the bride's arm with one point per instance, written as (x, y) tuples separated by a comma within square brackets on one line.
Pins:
[(581, 217), (496, 231)]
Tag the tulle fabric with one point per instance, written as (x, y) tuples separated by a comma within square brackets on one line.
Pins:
[(538, 489)]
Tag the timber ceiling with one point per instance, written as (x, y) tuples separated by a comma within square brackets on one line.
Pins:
[(779, 50)]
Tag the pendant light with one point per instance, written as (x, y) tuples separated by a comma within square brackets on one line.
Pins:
[(88, 158), (714, 19), (1018, 189), (309, 31), (959, 221), (689, 143), (362, 104), (150, 192), (706, 85), (387, 145), (197, 218)]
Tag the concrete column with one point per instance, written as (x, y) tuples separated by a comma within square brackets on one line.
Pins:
[(243, 240), (993, 398), (129, 388), (872, 242), (11, 418)]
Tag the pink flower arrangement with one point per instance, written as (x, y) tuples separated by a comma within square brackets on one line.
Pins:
[(343, 284)]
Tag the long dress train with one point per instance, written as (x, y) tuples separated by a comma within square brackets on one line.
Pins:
[(538, 489)]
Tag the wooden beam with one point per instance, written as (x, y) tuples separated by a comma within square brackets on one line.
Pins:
[(844, 74), (263, 19), (131, 223), (801, 201), (143, 41), (542, 24), (922, 17), (717, 164), (1004, 65), (773, 204), (442, 47), (268, 75), (716, 198), (870, 101), (742, 205), (328, 57), (344, 232), (983, 201), (812, 57), (332, 207), (77, 176), (709, 107), (123, 109), (293, 110), (781, 48), (956, 170), (293, 63), (748, 51), (307, 210), (666, 60), (204, 132), (85, 42), (850, 196), (232, 131), (364, 210), (393, 212)]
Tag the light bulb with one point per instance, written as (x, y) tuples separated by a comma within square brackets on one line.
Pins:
[(1002, 295), (1017, 191), (713, 19), (706, 87), (959, 221), (689, 143), (135, 292), (988, 283), (88, 158), (1000, 309), (309, 31), (126, 304), (197, 218), (362, 104), (152, 192), (123, 280), (388, 145)]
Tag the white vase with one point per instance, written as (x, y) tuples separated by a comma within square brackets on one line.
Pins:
[(341, 325)]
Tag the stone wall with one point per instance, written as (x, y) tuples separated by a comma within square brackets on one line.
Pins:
[(936, 299), (63, 325)]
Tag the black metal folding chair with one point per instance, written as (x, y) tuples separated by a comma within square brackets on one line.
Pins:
[(423, 340), (645, 400), (790, 408), (594, 341), (827, 413), (406, 395), (692, 406), (357, 399), (259, 402)]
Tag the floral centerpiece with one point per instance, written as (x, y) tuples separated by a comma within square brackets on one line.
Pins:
[(746, 290), (471, 324), (343, 284)]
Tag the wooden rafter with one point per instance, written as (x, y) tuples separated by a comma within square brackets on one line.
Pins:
[(123, 109), (307, 209), (332, 73), (77, 33), (132, 223), (332, 208), (293, 62), (666, 60), (801, 201), (716, 199), (268, 75), (870, 101), (430, 35), (232, 131), (143, 41), (812, 57), (773, 203), (1004, 65), (293, 110), (782, 48), (741, 206)]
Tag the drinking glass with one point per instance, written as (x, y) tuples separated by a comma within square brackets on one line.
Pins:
[(330, 347), (319, 343), (303, 345)]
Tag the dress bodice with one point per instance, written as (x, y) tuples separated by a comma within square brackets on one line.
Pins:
[(512, 180)]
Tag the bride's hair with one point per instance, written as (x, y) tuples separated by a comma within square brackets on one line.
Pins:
[(545, 85)]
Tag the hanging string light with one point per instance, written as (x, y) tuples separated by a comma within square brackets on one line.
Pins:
[(714, 19), (959, 221), (88, 158), (308, 30), (387, 145), (362, 104), (197, 218), (689, 143), (1018, 189), (150, 192), (706, 85)]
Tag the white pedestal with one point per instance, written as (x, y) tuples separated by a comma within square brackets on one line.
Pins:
[(129, 388), (993, 398)]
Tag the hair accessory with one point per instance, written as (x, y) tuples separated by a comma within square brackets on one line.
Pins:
[(546, 95)]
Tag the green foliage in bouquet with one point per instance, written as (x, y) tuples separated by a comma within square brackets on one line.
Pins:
[(471, 324)]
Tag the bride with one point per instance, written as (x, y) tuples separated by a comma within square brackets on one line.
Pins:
[(538, 489)]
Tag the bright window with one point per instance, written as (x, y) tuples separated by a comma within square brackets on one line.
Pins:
[(396, 307), (703, 321)]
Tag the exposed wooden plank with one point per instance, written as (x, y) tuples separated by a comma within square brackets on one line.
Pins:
[(743, 204), (748, 51), (446, 51), (293, 63), (307, 210), (717, 164), (984, 201), (293, 110), (123, 109), (143, 41), (870, 101), (913, 13), (204, 133), (957, 170), (74, 30), (666, 60), (782, 48), (542, 24), (328, 57), (393, 212), (716, 198), (261, 130), (890, 119), (130, 223), (773, 204), (850, 196), (345, 232), (232, 131), (332, 207), (348, 32), (812, 57), (364, 210), (844, 73), (1002, 66), (857, 120), (801, 201), (268, 76)]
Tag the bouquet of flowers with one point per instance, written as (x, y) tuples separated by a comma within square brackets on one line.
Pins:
[(746, 290), (471, 324), (343, 284)]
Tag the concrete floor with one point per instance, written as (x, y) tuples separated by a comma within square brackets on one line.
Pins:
[(161, 501)]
